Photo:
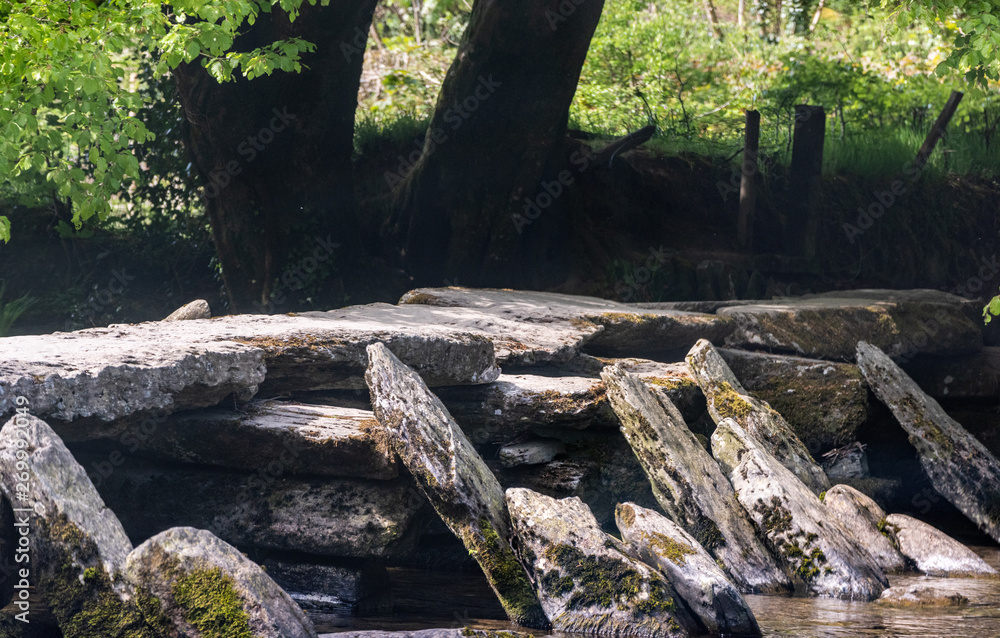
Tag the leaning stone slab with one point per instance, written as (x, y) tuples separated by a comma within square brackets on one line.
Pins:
[(689, 485), (585, 580), (307, 439), (934, 552), (958, 465), (866, 521), (904, 323), (454, 477), (621, 329), (727, 399), (197, 309), (77, 546), (798, 527), (205, 587), (110, 373), (708, 592), (823, 401)]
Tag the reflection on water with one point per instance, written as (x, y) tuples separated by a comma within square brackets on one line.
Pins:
[(462, 600)]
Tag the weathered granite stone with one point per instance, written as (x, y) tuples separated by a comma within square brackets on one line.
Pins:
[(197, 309), (306, 439), (917, 596), (689, 485), (958, 465), (105, 374), (823, 401), (531, 452), (621, 330), (798, 527), (453, 476), (585, 580), (207, 588), (268, 509), (661, 543), (728, 399), (828, 326), (934, 552), (77, 546), (866, 521)]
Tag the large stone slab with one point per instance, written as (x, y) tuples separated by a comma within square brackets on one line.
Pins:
[(708, 592), (620, 329), (904, 323), (453, 476), (585, 579), (866, 521), (959, 466), (689, 485), (318, 515), (817, 548), (109, 373), (727, 399), (825, 402), (934, 552), (204, 587), (76, 546), (306, 439)]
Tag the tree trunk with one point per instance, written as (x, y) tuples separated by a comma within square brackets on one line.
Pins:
[(713, 19), (496, 144), (275, 156)]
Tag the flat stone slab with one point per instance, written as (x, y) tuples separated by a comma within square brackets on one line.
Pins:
[(689, 485), (619, 329), (973, 376), (817, 548), (959, 466), (728, 399), (306, 439), (453, 476), (190, 572), (904, 323), (110, 373), (866, 521), (585, 579), (934, 552), (708, 592), (823, 401)]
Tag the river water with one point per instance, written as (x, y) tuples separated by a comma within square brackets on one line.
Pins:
[(428, 600)]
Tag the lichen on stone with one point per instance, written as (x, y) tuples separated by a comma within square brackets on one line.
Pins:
[(211, 604)]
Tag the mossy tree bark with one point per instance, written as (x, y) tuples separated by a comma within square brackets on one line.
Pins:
[(275, 153), (497, 137)]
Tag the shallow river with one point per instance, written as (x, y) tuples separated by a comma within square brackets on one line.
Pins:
[(424, 600)]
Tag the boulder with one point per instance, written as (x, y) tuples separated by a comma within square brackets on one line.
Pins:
[(319, 515), (585, 579), (307, 439), (866, 521), (728, 399), (619, 330), (934, 552), (823, 401), (106, 374), (828, 326), (531, 452), (918, 596), (689, 485), (798, 527), (959, 466), (197, 309), (204, 587), (452, 475), (76, 545), (708, 592)]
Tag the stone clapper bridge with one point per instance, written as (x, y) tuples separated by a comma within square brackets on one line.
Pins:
[(634, 469)]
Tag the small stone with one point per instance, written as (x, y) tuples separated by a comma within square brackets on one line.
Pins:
[(531, 452), (917, 596), (848, 462), (197, 309), (934, 552)]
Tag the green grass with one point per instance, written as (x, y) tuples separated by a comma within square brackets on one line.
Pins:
[(11, 311)]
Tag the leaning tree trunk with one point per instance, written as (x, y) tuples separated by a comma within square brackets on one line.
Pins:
[(496, 139), (275, 156)]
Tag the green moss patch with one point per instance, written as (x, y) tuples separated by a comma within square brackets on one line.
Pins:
[(729, 403), (211, 604), (508, 577), (668, 548)]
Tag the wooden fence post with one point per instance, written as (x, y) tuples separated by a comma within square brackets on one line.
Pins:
[(748, 181), (937, 131), (805, 177)]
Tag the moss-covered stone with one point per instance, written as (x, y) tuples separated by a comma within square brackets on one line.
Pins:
[(211, 604)]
